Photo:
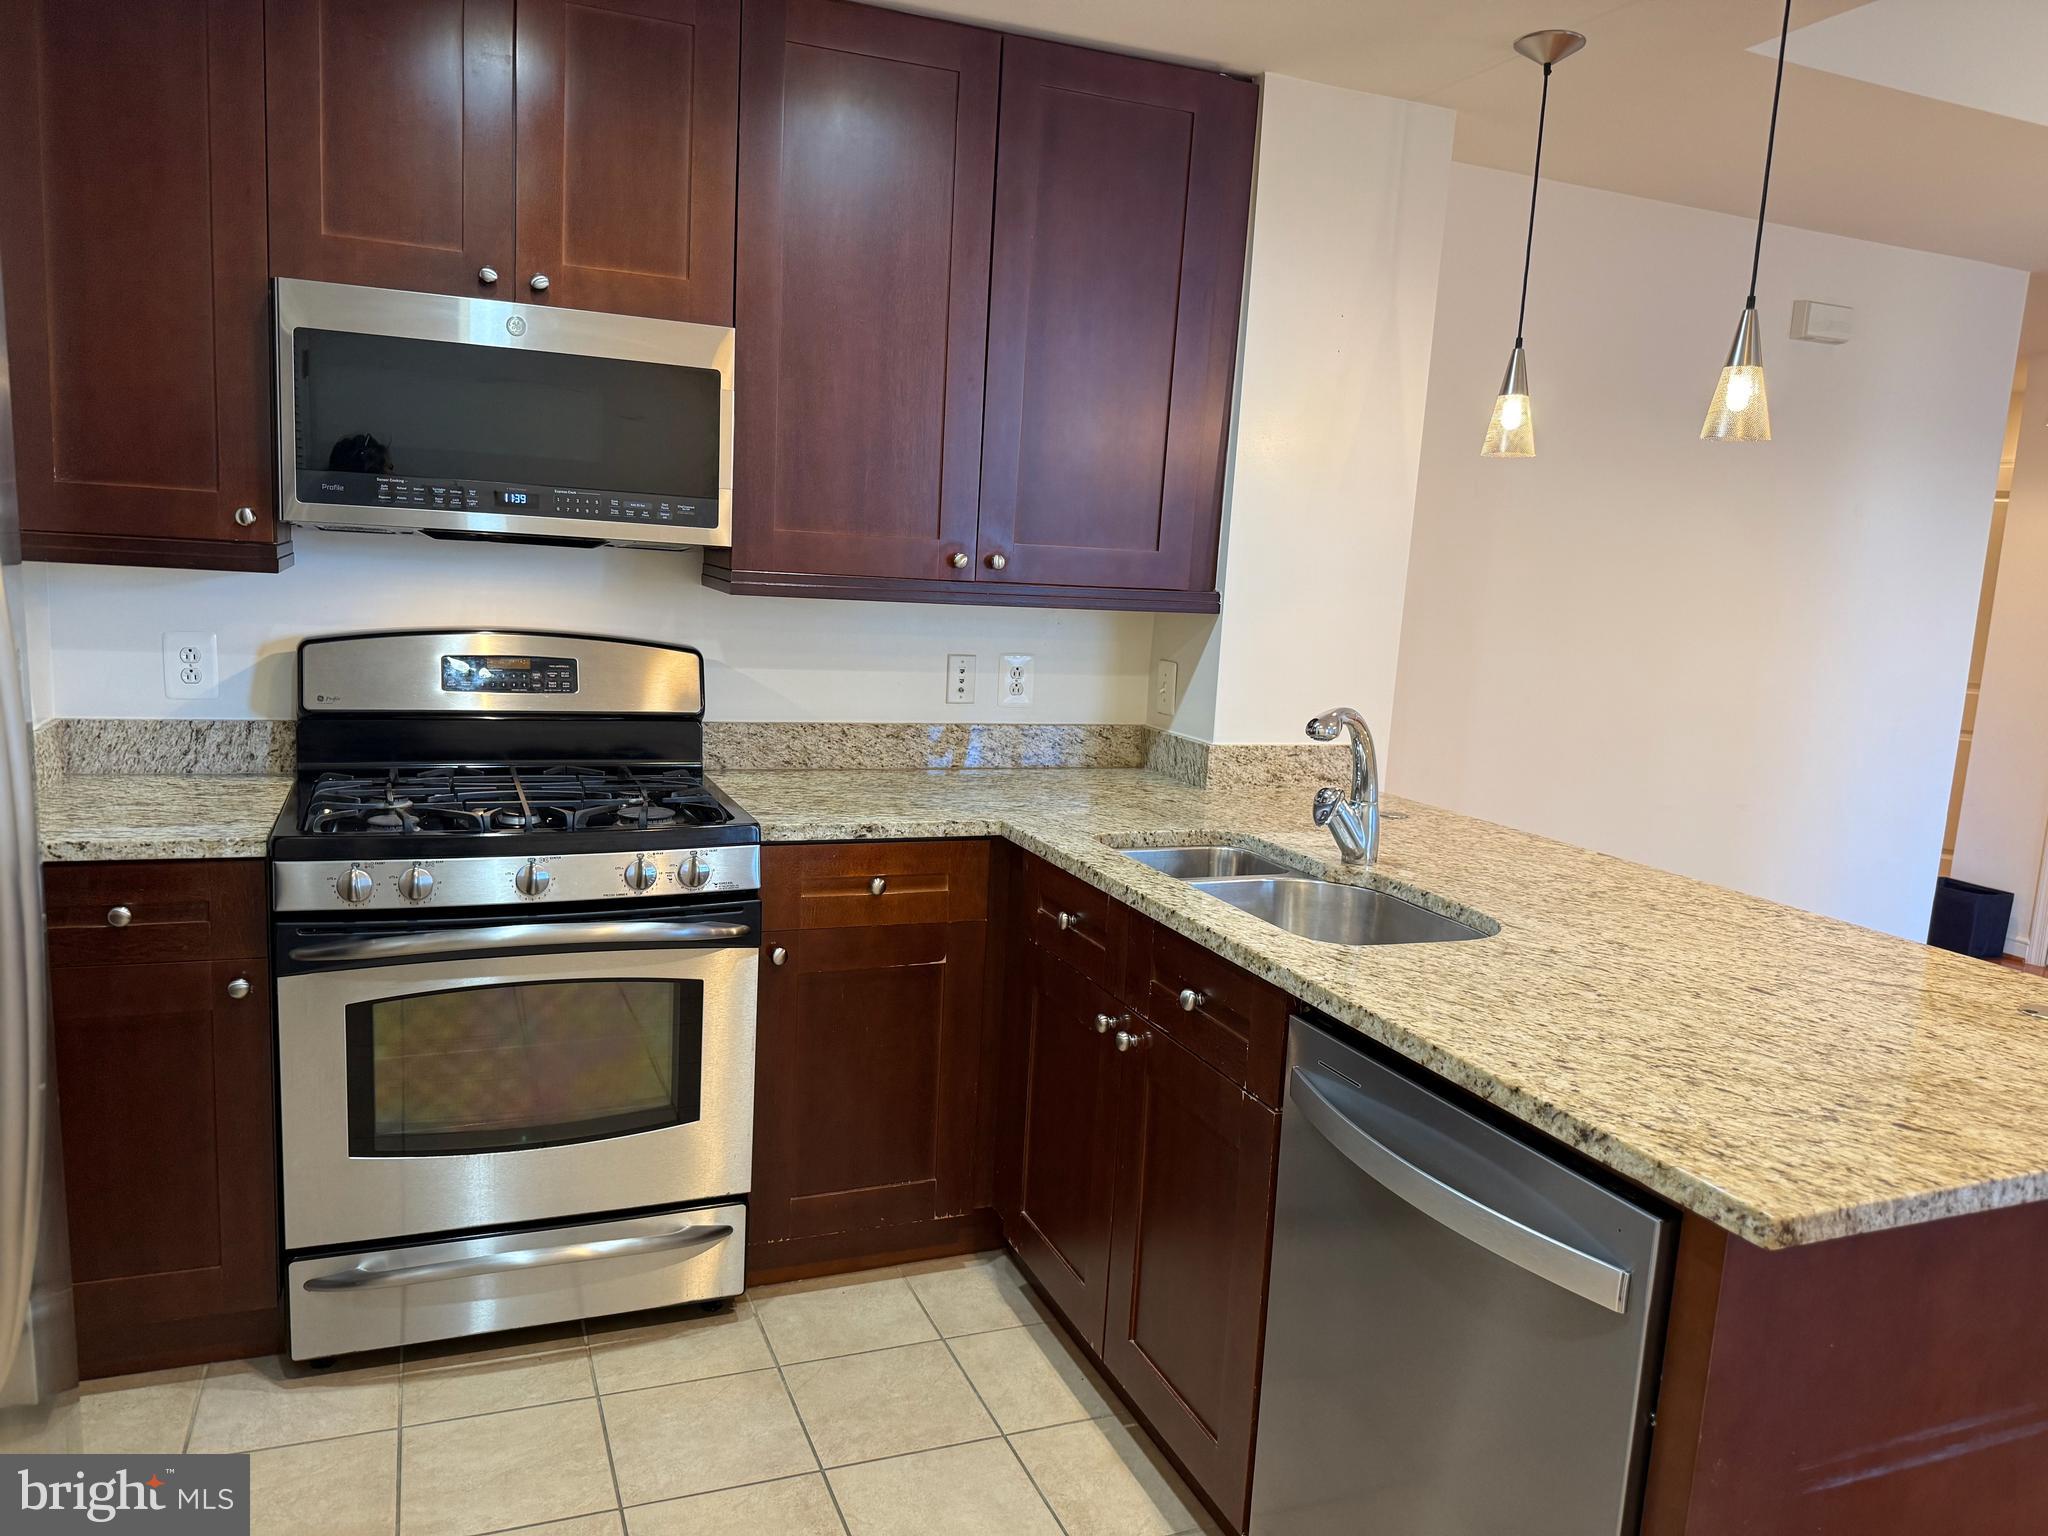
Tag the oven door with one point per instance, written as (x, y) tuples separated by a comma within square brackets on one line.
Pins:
[(474, 1077)]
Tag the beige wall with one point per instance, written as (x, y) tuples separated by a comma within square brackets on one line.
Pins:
[(1743, 664)]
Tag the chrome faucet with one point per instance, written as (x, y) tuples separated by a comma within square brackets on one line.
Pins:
[(1354, 823)]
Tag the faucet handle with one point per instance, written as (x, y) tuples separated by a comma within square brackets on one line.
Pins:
[(1326, 805)]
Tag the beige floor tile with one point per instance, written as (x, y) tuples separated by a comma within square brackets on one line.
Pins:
[(976, 1294), (488, 1346), (466, 1476), (1102, 1480), (1031, 1378), (843, 1319), (610, 1523), (795, 1506), (682, 1349), (246, 1405), (335, 1487), (148, 1412), (964, 1490), (695, 1436), (885, 1403), (491, 1381)]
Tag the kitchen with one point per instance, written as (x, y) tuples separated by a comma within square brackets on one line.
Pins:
[(882, 494)]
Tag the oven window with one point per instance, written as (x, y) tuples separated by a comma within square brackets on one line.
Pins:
[(527, 1064)]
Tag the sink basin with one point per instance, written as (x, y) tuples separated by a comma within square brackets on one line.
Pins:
[(1330, 913), (1207, 863)]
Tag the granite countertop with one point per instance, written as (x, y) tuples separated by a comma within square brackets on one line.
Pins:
[(1789, 1077), (157, 816)]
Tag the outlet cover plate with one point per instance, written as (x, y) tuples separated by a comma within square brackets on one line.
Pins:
[(191, 665), (1013, 682), (1165, 686), (960, 678)]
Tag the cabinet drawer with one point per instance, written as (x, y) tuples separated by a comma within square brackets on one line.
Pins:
[(1227, 1017), (115, 914), (858, 885), (1070, 919)]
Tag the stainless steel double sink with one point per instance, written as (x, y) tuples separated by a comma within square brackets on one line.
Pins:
[(1324, 911)]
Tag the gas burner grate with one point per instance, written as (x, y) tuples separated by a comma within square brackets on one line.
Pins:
[(503, 798)]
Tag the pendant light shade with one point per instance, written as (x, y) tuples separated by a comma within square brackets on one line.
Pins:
[(1511, 434), (1740, 411)]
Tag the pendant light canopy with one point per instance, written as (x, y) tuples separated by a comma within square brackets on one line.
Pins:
[(1511, 434), (1741, 410)]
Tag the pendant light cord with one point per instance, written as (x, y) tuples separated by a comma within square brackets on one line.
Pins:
[(1770, 148), (1535, 181)]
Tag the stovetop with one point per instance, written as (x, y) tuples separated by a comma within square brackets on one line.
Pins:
[(562, 797)]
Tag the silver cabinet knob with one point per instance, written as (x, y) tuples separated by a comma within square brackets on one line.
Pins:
[(487, 274), (958, 559), (1190, 999), (642, 873), (238, 988), (1125, 1039), (538, 282), (244, 516), (778, 955), (354, 886), (997, 562), (532, 879), (1067, 921), (119, 917), (877, 885), (417, 883), (1105, 1022)]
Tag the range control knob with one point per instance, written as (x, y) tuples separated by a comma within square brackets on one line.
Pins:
[(354, 885), (417, 883), (694, 872), (532, 879), (642, 873)]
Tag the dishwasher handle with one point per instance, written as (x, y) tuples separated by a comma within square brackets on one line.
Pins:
[(1541, 1255)]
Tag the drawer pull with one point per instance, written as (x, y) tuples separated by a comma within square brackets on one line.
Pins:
[(1067, 921), (119, 917), (1190, 999), (1125, 1039), (238, 988), (778, 955), (877, 885), (1105, 1022)]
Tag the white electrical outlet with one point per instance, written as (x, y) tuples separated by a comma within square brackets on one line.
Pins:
[(191, 665), (1015, 686), (959, 678), (1165, 686)]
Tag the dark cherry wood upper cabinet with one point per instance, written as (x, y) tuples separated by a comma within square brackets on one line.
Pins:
[(867, 170), (1121, 214), (391, 143), (1187, 1273), (132, 238), (627, 151)]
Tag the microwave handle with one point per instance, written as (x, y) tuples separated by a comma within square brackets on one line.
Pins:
[(450, 941)]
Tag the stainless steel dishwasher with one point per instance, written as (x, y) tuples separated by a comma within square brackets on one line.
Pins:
[(1461, 1333)]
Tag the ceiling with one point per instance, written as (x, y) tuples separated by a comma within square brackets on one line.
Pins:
[(1669, 100)]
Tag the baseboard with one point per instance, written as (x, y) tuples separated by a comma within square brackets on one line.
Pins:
[(803, 1258)]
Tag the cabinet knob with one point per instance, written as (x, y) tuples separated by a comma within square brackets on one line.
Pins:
[(238, 988), (1067, 921), (958, 559), (244, 516), (1190, 999), (538, 282), (119, 917), (487, 274), (1105, 1022), (997, 562), (877, 885), (778, 955), (1125, 1039)]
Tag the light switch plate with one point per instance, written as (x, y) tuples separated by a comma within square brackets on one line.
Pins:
[(960, 678), (1014, 682), (1165, 686), (191, 665)]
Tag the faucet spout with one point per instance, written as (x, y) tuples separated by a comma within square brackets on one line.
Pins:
[(1354, 823)]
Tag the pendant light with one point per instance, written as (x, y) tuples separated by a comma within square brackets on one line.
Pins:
[(1511, 434), (1741, 411)]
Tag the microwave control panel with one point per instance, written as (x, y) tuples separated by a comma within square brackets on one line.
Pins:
[(499, 498)]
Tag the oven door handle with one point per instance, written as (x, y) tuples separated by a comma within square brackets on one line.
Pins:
[(371, 1276), (450, 941)]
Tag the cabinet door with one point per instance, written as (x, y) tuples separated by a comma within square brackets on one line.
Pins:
[(628, 132), (867, 165), (391, 143), (1194, 1215), (1063, 1184), (170, 1154), (132, 234), (867, 1075), (1121, 211)]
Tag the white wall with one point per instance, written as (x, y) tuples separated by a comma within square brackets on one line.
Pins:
[(2004, 820), (1340, 305), (766, 658), (1742, 663)]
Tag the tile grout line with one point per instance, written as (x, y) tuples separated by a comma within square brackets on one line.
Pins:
[(824, 1476), (192, 1418), (604, 1428)]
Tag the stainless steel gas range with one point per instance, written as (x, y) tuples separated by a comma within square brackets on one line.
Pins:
[(516, 934)]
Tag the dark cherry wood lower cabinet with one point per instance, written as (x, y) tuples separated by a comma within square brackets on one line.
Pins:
[(161, 1013)]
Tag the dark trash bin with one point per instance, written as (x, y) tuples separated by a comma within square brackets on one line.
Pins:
[(1969, 919)]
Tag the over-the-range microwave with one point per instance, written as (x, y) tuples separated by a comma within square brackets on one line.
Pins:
[(425, 413)]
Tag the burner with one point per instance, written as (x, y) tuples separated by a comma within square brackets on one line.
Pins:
[(645, 815), (392, 820)]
